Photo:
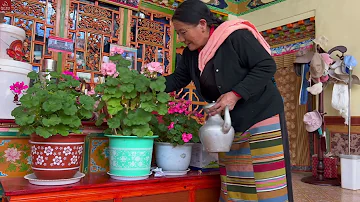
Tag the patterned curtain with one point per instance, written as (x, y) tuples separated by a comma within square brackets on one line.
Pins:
[(289, 85)]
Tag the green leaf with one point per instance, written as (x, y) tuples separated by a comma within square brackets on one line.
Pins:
[(100, 120), (52, 121), (43, 132), (27, 101), (142, 85), (25, 119), (87, 114), (162, 109), (127, 131), (33, 75), (87, 102), (52, 105), (127, 88), (99, 88), (148, 106), (114, 122), (100, 105), (110, 90), (158, 85), (142, 131), (146, 97), (28, 130), (139, 117), (163, 97), (114, 106), (130, 95), (110, 81), (70, 109)]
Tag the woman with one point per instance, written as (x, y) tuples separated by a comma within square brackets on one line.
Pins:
[(232, 67)]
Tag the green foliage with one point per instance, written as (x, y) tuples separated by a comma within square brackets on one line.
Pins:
[(52, 107), (130, 99)]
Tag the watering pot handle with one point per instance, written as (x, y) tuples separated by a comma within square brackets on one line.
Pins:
[(227, 120)]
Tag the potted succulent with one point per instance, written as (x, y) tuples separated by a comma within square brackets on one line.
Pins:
[(130, 98), (51, 112), (177, 131)]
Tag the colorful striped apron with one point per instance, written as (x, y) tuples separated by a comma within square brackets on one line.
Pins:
[(254, 169)]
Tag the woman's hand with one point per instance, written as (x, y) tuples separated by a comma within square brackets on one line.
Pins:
[(227, 99)]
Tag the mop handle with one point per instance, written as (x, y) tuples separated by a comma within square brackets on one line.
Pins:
[(349, 102)]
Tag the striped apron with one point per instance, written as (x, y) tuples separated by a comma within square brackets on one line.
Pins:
[(254, 169)]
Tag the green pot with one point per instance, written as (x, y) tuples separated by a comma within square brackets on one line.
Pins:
[(130, 156)]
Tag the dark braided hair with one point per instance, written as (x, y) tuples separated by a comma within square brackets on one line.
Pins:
[(192, 11)]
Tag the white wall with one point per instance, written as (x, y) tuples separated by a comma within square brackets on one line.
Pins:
[(338, 20)]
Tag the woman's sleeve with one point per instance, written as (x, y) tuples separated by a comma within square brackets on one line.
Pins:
[(252, 55), (181, 76)]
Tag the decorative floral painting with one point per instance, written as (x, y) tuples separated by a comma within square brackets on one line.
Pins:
[(15, 159), (99, 155)]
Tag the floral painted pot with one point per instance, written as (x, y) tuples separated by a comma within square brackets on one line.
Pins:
[(171, 158), (56, 157)]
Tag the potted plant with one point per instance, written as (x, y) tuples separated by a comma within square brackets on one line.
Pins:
[(51, 112), (177, 131), (130, 98)]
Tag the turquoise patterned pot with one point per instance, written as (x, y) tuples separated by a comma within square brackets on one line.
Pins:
[(130, 156)]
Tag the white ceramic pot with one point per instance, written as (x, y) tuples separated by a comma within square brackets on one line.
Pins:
[(10, 37), (171, 158), (11, 71), (350, 171)]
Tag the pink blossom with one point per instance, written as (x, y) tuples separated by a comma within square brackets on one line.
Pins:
[(116, 74), (12, 154), (91, 92), (18, 88), (171, 126), (108, 69), (116, 49), (186, 137), (155, 67), (71, 74)]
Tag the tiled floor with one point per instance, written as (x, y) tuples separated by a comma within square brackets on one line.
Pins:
[(311, 193)]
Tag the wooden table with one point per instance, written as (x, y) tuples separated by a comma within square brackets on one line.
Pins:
[(193, 187)]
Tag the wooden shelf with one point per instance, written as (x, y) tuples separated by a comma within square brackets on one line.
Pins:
[(99, 187)]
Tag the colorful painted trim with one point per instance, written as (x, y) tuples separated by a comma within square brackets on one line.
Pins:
[(291, 48)]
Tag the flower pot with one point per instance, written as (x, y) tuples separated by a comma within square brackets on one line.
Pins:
[(11, 71), (171, 158), (56, 157), (350, 172), (11, 41), (130, 156)]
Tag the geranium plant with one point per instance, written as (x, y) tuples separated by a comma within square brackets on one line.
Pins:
[(51, 107), (179, 125), (130, 97)]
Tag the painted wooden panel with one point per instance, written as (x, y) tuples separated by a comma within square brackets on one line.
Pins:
[(93, 26)]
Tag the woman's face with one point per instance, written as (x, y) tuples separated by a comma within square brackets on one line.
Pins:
[(194, 36)]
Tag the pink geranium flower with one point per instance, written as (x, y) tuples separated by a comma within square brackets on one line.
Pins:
[(108, 69), (18, 88), (71, 74), (186, 137), (12, 154), (155, 67), (116, 50), (171, 126)]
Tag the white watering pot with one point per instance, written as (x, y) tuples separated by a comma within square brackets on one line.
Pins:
[(10, 36), (11, 71), (217, 134)]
